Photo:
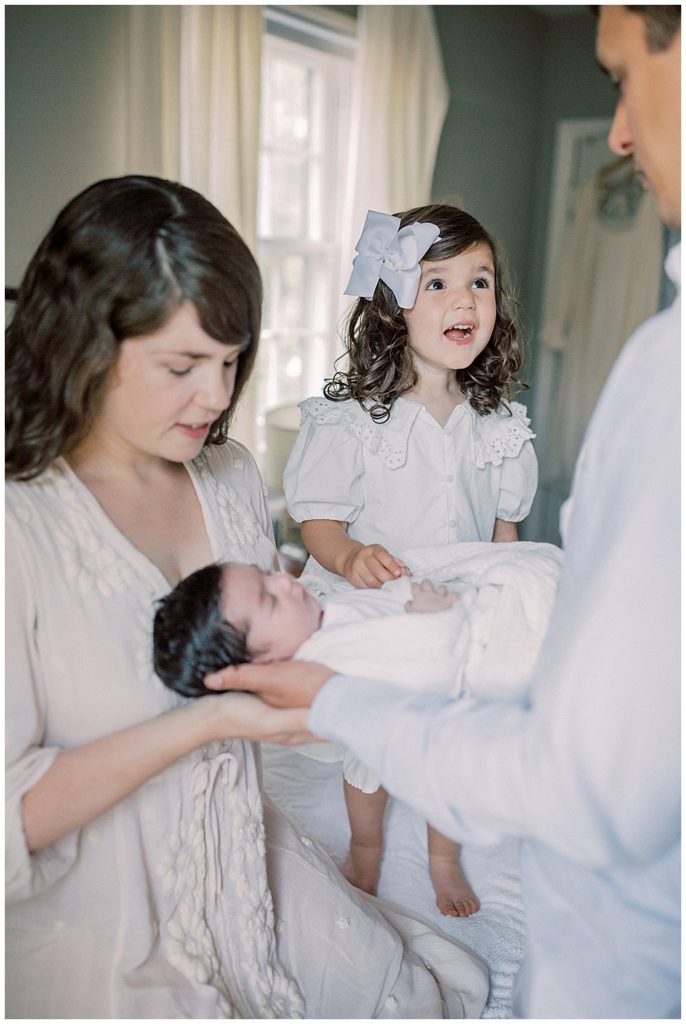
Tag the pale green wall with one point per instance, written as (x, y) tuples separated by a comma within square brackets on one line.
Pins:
[(513, 73), (65, 110), (573, 88)]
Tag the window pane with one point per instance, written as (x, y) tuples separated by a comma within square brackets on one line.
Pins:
[(302, 151), (284, 304), (288, 103), (283, 206)]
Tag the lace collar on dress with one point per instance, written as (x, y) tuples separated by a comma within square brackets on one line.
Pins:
[(498, 435)]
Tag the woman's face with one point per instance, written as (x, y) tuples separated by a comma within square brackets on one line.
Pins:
[(167, 389)]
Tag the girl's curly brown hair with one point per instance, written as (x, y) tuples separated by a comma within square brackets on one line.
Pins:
[(117, 263), (380, 363)]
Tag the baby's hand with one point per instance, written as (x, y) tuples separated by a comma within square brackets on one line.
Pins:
[(370, 566), (428, 598)]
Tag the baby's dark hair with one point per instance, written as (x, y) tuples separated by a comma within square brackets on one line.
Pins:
[(191, 637), (380, 363)]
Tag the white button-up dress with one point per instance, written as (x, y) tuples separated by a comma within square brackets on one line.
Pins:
[(410, 482)]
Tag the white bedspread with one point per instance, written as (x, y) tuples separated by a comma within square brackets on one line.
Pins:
[(311, 792)]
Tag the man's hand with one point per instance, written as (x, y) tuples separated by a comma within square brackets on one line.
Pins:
[(428, 598), (369, 566), (283, 684)]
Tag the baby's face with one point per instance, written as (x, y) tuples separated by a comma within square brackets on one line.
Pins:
[(274, 611)]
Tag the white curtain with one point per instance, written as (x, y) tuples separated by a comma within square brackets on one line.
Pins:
[(399, 105), (194, 112)]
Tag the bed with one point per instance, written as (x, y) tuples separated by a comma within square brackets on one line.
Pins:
[(311, 793)]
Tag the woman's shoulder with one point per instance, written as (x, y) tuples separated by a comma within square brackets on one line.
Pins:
[(24, 496), (500, 434), (228, 460)]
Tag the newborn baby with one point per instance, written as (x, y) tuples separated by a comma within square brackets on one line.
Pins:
[(231, 613), (485, 611)]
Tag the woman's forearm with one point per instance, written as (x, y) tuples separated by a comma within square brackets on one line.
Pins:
[(85, 781), (327, 540)]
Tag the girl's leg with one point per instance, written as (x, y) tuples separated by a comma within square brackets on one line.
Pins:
[(454, 895), (365, 813)]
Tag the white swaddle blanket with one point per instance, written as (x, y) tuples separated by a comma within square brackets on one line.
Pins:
[(485, 646)]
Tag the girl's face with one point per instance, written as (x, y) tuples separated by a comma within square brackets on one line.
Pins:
[(274, 611), (167, 389), (454, 313)]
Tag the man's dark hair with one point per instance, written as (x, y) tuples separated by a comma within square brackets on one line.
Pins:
[(661, 23), (191, 637)]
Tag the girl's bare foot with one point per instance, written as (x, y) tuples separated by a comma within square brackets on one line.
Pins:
[(362, 867), (454, 895)]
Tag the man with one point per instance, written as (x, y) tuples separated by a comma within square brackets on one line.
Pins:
[(588, 772)]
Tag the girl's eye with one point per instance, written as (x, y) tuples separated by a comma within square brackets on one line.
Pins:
[(435, 285), (179, 373), (229, 363), (482, 282)]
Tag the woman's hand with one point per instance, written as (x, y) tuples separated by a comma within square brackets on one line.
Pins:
[(369, 566), (282, 684), (244, 716)]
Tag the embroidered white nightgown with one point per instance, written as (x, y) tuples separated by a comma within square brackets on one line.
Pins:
[(176, 903)]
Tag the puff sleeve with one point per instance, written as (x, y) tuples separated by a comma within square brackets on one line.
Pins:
[(323, 477), (26, 759), (502, 440), (518, 485)]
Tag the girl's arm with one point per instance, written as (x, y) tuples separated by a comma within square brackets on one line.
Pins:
[(85, 781), (503, 531), (363, 565)]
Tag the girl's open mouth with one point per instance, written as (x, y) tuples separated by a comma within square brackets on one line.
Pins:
[(460, 333)]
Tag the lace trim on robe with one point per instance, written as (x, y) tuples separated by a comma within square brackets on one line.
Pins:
[(202, 862), (242, 528)]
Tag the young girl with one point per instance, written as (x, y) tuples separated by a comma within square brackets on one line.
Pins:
[(415, 444)]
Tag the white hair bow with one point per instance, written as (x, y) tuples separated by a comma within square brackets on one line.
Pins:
[(384, 252)]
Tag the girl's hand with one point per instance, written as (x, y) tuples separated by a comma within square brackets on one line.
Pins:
[(283, 684), (428, 598), (369, 566)]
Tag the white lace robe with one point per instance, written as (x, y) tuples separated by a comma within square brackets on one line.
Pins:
[(185, 900)]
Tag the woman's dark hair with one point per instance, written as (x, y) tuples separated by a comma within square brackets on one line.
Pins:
[(380, 363), (117, 263), (191, 637)]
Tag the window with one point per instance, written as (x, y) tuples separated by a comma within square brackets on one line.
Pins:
[(307, 74)]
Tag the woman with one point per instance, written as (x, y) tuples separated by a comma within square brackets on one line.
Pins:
[(144, 879)]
